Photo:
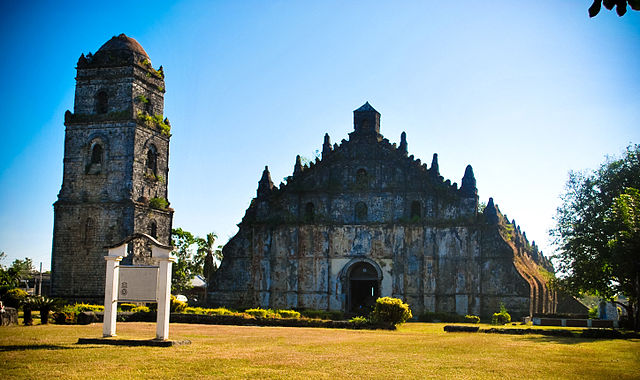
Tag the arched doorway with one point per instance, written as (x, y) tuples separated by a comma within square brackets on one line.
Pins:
[(363, 283)]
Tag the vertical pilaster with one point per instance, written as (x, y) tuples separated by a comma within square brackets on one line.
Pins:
[(111, 290), (165, 260)]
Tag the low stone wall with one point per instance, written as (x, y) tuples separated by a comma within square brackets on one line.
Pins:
[(9, 317), (570, 322)]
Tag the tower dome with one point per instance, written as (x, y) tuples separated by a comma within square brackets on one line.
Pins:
[(122, 43), (118, 51)]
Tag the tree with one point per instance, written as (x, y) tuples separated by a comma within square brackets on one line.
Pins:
[(185, 267), (195, 256), (212, 255), (596, 231), (621, 6), (20, 269)]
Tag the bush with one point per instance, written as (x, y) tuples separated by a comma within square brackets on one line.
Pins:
[(289, 314), (390, 311), (141, 309), (126, 306), (258, 313), (220, 311), (15, 298), (471, 319), (502, 317), (333, 315), (80, 307), (359, 320), (158, 203), (177, 306)]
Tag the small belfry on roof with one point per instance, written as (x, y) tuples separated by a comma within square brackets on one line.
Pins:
[(366, 107), (366, 122)]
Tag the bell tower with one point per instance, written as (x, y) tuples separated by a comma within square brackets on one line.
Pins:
[(116, 171)]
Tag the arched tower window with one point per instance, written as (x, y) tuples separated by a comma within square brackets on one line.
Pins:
[(361, 212), (416, 210), (97, 154), (153, 229), (102, 102), (152, 159), (309, 212)]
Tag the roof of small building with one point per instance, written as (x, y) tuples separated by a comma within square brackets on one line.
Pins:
[(123, 42), (366, 107)]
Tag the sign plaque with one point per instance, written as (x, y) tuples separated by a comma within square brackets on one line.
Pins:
[(138, 283)]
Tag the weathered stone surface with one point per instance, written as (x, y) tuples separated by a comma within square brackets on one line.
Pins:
[(86, 318), (9, 316), (367, 206), (109, 174)]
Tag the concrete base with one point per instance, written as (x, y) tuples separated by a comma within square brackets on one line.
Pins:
[(133, 342)]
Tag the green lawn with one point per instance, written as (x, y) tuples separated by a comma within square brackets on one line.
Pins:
[(415, 350)]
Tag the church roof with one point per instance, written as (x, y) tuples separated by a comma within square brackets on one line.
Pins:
[(123, 42)]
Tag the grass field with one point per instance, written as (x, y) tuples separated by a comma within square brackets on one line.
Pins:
[(415, 350)]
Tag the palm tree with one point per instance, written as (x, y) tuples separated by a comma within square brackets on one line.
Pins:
[(211, 255)]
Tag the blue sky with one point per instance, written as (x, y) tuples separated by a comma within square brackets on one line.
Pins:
[(522, 91)]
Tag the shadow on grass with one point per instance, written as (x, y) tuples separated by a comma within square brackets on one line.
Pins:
[(570, 337), (32, 347), (561, 339)]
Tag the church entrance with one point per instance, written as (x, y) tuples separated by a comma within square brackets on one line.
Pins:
[(364, 288)]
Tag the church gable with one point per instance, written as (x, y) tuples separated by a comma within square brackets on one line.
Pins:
[(365, 179)]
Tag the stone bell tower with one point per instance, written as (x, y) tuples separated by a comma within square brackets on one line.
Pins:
[(116, 171)]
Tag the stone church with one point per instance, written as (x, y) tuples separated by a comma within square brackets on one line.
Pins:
[(115, 174), (368, 220)]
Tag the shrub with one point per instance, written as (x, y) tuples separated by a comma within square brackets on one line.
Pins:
[(333, 315), (258, 313), (220, 311), (194, 310), (141, 309), (177, 306), (289, 314), (390, 311), (502, 317), (359, 320), (15, 298), (44, 304), (471, 319), (80, 307), (126, 306), (158, 203)]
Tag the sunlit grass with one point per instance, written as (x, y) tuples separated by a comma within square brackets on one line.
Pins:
[(415, 350)]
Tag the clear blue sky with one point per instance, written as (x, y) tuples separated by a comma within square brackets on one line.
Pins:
[(522, 91)]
